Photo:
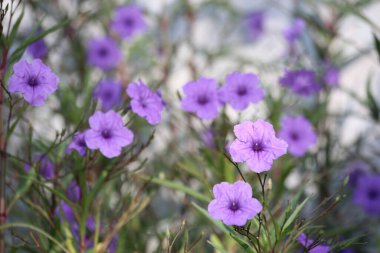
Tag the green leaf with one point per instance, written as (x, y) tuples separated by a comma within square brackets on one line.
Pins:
[(371, 102), (295, 214), (14, 31), (242, 243)]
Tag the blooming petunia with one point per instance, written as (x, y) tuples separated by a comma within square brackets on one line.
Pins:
[(78, 143), (128, 21), (34, 80), (311, 245), (37, 49), (103, 53), (355, 170), (145, 102), (302, 82), (257, 145), (298, 132), (367, 194), (201, 98), (240, 90), (109, 92), (294, 31), (233, 203), (255, 24), (107, 133)]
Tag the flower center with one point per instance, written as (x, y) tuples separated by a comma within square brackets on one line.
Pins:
[(128, 22), (103, 52), (242, 90), (82, 143), (33, 81), (257, 147), (294, 136), (234, 206), (202, 100), (108, 95), (106, 134), (373, 194)]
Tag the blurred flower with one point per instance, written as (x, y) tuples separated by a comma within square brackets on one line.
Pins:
[(34, 80), (145, 102), (294, 31), (331, 75), (255, 24), (257, 145), (47, 169), (367, 194), (112, 247), (349, 250), (302, 82), (103, 53), (37, 49), (298, 132), (66, 210), (108, 133), (233, 203), (73, 192), (109, 92), (128, 20), (201, 98), (355, 170), (311, 246), (208, 138), (78, 143), (240, 90)]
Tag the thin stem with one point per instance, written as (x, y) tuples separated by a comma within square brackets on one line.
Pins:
[(236, 166)]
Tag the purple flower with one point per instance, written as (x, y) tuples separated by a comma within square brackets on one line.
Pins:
[(109, 92), (240, 90), (78, 143), (367, 194), (67, 211), (47, 169), (349, 250), (128, 20), (73, 192), (233, 203), (112, 247), (311, 246), (37, 49), (356, 170), (107, 133), (35, 81), (208, 138), (294, 31), (145, 103), (302, 82), (255, 24), (257, 145), (103, 53), (298, 133), (201, 98), (331, 75)]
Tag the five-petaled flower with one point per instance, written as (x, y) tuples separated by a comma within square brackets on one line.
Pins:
[(201, 98), (257, 145), (298, 132), (302, 82), (367, 194), (145, 102), (240, 90), (107, 133), (233, 203), (103, 53), (78, 143), (109, 92), (34, 80), (128, 20)]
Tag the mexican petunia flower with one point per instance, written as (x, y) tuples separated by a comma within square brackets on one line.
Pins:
[(233, 203), (109, 92), (302, 82), (298, 132), (34, 80), (257, 145), (355, 170), (73, 192), (240, 90), (128, 21), (311, 245), (103, 53), (255, 24), (145, 102), (367, 194), (331, 75), (294, 31), (38, 49), (201, 98), (78, 143), (107, 133)]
